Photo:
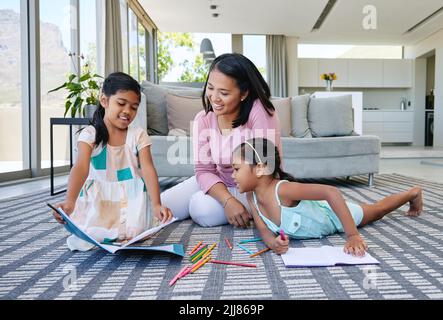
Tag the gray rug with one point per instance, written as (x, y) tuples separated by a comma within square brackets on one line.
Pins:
[(35, 262)]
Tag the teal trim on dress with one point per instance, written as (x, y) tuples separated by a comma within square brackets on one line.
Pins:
[(99, 161), (124, 174)]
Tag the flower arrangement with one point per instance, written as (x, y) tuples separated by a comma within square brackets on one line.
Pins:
[(329, 77), (85, 89)]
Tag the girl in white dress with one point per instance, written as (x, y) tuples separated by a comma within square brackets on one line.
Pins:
[(107, 187)]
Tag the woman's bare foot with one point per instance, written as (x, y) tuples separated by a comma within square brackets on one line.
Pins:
[(416, 202)]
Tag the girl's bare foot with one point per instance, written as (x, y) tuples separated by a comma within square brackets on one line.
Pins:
[(416, 202)]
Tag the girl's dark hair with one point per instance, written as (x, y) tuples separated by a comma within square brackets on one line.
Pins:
[(117, 81), (265, 152), (248, 78)]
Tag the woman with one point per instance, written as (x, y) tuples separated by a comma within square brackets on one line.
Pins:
[(237, 106)]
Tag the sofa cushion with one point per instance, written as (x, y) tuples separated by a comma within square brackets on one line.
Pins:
[(181, 111), (331, 116), (156, 105), (299, 117), (283, 107)]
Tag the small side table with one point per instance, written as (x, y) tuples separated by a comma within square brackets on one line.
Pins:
[(63, 121)]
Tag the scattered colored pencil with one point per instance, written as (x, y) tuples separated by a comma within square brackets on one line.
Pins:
[(251, 240), (207, 253), (174, 280), (228, 243), (259, 252), (198, 251), (200, 264), (250, 265), (195, 248), (246, 249), (199, 255)]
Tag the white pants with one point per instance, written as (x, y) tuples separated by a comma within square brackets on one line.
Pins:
[(186, 199)]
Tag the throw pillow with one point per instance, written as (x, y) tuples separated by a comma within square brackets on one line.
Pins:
[(156, 105), (181, 111), (331, 116), (299, 116), (283, 107)]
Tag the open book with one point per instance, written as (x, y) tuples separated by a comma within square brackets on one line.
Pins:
[(113, 247), (324, 256)]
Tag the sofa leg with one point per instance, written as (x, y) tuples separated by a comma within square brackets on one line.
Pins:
[(371, 180)]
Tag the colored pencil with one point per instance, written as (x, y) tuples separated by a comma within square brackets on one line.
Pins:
[(198, 249), (184, 273), (250, 265), (246, 249), (198, 252), (259, 252), (177, 276), (251, 240), (195, 248), (199, 255), (207, 253), (200, 264), (282, 235), (228, 243)]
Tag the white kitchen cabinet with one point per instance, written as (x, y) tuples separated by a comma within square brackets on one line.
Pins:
[(397, 73), (391, 125), (337, 66), (367, 73), (308, 73)]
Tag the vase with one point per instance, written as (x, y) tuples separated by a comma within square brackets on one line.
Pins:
[(89, 110), (328, 85)]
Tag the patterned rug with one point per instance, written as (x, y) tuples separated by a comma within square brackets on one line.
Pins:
[(35, 262)]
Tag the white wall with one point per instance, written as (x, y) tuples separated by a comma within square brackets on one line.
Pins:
[(434, 42)]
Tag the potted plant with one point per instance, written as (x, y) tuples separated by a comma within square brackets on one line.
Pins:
[(83, 92)]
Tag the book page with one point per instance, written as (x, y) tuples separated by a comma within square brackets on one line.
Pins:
[(306, 257), (149, 232), (338, 256)]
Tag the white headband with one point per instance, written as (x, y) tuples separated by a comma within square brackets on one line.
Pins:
[(256, 153)]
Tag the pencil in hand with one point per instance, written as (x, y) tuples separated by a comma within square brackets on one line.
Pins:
[(282, 235)]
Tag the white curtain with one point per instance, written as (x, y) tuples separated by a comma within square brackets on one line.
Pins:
[(276, 65), (113, 39)]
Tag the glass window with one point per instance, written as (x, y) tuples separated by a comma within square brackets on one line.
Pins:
[(133, 45), (254, 47), (88, 34), (349, 51), (142, 52), (55, 64), (11, 156)]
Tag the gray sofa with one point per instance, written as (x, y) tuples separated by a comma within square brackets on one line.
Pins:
[(306, 153)]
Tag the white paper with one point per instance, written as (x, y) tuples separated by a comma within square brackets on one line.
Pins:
[(323, 256)]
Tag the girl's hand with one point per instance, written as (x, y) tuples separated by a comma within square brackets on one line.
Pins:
[(236, 213), (280, 246), (355, 245), (162, 213), (68, 208)]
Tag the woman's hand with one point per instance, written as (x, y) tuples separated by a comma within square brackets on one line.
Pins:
[(279, 246), (162, 213), (355, 245), (236, 213), (68, 208)]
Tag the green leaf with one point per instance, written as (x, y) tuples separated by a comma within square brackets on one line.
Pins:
[(58, 88), (85, 77), (67, 106), (72, 77)]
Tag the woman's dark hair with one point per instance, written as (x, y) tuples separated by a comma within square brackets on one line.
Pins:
[(117, 81), (261, 150), (248, 78)]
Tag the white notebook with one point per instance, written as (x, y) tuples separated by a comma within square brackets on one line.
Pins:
[(324, 256)]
